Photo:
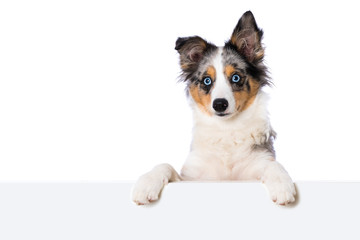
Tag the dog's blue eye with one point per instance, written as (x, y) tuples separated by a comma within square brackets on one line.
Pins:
[(235, 78), (207, 81)]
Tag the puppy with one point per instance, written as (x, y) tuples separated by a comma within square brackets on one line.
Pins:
[(232, 135)]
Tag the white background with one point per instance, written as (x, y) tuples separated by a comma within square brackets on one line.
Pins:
[(88, 89)]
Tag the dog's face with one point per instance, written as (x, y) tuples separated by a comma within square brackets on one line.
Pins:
[(224, 81)]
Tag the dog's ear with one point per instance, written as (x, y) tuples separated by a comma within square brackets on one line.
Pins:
[(247, 37), (191, 50)]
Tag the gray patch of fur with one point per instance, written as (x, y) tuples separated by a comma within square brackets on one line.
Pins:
[(231, 57), (206, 62), (266, 145)]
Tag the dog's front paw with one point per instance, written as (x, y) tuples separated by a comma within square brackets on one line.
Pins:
[(281, 193), (148, 188)]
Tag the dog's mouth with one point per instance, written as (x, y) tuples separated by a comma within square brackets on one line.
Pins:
[(222, 114)]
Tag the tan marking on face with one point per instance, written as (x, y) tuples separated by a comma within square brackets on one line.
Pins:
[(202, 99), (211, 72), (243, 98), (229, 70), (184, 66)]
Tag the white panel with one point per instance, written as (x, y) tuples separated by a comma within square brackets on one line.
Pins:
[(185, 211)]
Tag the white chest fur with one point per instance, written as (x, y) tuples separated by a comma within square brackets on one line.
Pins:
[(222, 148)]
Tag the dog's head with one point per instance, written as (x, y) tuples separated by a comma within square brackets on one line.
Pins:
[(224, 81)]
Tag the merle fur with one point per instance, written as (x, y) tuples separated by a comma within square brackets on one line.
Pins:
[(257, 70), (239, 56), (267, 144), (190, 73)]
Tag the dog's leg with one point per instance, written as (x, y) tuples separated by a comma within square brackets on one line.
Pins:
[(277, 181), (279, 184), (149, 185)]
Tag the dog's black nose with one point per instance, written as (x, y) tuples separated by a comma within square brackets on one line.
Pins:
[(220, 104)]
